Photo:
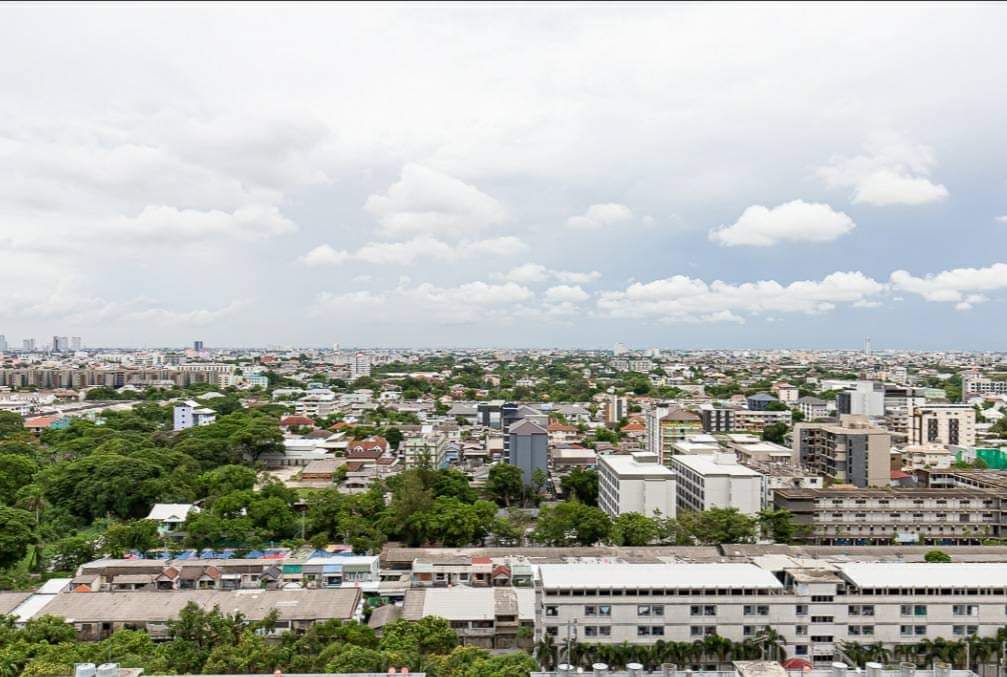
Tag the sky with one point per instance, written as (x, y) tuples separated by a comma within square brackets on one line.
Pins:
[(678, 176)]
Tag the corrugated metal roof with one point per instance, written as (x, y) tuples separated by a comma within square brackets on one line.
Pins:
[(623, 576)]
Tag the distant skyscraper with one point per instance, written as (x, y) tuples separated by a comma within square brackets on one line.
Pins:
[(28, 344), (620, 349), (60, 344), (197, 346), (867, 346), (3, 343), (75, 343)]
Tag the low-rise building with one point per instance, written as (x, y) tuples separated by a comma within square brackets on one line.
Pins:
[(635, 483), (852, 450), (717, 481), (489, 618)]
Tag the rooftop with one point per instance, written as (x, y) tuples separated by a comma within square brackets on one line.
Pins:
[(622, 576)]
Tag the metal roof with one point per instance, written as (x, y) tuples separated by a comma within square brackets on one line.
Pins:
[(623, 576), (925, 575)]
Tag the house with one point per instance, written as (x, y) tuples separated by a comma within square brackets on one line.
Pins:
[(36, 424), (295, 421), (190, 414), (170, 516), (489, 618), (369, 448)]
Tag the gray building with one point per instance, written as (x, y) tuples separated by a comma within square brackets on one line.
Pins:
[(528, 447), (852, 451)]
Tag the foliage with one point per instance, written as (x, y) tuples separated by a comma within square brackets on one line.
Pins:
[(505, 483), (634, 529), (937, 556), (582, 485), (17, 534), (570, 523)]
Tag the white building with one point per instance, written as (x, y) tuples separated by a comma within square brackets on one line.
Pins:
[(170, 516), (635, 483), (717, 481), (189, 414), (360, 365)]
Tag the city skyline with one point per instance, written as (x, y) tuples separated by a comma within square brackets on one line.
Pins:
[(674, 175)]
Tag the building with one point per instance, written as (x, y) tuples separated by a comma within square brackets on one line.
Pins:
[(670, 426), (197, 346), (616, 407), (851, 450), (847, 516), (979, 385), (75, 343), (60, 344), (812, 408), (866, 399), (951, 424), (815, 606), (28, 345), (170, 516), (528, 445), (360, 365), (787, 393), (755, 421), (3, 343), (717, 481), (189, 414), (489, 617), (635, 483), (760, 401)]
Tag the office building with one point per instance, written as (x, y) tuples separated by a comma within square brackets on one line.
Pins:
[(28, 345), (812, 408), (851, 451), (528, 447), (635, 483), (60, 344), (197, 346), (717, 480), (3, 343), (866, 399), (75, 343), (616, 407), (952, 424), (979, 385)]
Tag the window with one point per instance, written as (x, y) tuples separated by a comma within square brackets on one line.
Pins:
[(860, 609), (821, 599), (821, 619), (801, 649), (801, 630), (552, 611), (801, 609), (861, 630), (756, 610), (703, 610), (597, 631), (965, 609), (650, 610), (913, 609), (552, 630), (822, 639), (702, 630), (650, 631)]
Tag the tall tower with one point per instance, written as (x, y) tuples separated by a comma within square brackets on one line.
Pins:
[(867, 347)]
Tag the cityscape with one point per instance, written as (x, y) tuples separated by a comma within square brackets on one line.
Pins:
[(503, 340)]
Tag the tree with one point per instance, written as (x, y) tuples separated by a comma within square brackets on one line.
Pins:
[(72, 551), (581, 485), (571, 522), (10, 423), (634, 529), (935, 556), (430, 634), (777, 525), (139, 535), (17, 534), (719, 525), (16, 471), (504, 483), (775, 432)]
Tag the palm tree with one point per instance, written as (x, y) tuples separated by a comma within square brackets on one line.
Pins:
[(879, 653), (773, 644), (545, 653), (854, 652)]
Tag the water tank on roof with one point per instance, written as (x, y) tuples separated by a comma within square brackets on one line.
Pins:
[(108, 670), (83, 670)]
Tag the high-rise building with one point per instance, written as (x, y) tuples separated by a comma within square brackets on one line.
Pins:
[(28, 344), (360, 365), (60, 344), (852, 451), (528, 448), (951, 424), (75, 343), (197, 346), (3, 343)]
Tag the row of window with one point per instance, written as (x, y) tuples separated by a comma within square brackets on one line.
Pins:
[(605, 610), (752, 630)]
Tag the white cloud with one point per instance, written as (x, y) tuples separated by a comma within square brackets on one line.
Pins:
[(795, 221), (425, 201), (566, 294), (685, 299), (894, 171), (1001, 219), (961, 286), (599, 216), (164, 223), (532, 273), (416, 250)]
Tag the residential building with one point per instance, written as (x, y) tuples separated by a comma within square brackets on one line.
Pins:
[(75, 343), (615, 407), (635, 483), (951, 424), (360, 365), (755, 421), (672, 426), (717, 481), (846, 516), (979, 385), (851, 450), (867, 398), (812, 408), (3, 343), (170, 516), (197, 346), (189, 414), (760, 401), (528, 444), (489, 618)]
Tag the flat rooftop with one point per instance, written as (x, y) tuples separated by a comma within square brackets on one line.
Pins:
[(623, 576), (925, 575), (708, 464), (625, 465)]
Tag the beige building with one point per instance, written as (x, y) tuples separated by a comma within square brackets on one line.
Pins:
[(852, 450), (951, 424), (635, 483)]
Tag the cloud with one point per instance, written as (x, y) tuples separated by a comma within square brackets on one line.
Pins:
[(961, 286), (416, 250), (599, 216), (795, 221), (164, 223), (894, 172), (425, 201), (566, 293), (681, 299), (1001, 219), (532, 273)]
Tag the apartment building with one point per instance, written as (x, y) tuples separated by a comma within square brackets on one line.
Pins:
[(813, 606), (489, 618), (717, 481), (749, 421), (980, 385), (951, 424), (191, 414), (635, 483), (851, 450), (527, 447), (843, 516), (426, 448), (867, 398), (666, 426), (812, 408)]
